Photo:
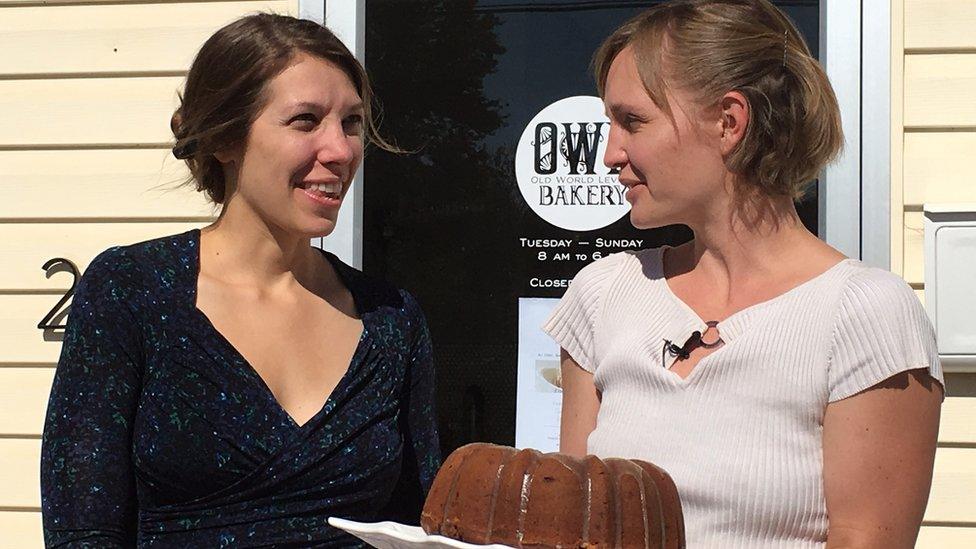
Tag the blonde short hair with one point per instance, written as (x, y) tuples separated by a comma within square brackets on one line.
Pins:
[(711, 47)]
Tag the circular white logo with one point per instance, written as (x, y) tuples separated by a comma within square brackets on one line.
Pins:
[(559, 166)]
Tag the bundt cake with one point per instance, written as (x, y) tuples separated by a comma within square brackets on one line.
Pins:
[(522, 498)]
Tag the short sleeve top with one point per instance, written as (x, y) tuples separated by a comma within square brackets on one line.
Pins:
[(742, 434)]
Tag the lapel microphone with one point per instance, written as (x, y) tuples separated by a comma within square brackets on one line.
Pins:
[(683, 351)]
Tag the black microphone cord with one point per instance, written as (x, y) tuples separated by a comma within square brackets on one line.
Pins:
[(681, 352)]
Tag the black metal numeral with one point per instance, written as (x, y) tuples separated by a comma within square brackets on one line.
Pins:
[(51, 267)]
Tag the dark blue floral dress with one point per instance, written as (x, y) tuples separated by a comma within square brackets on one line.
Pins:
[(159, 433)]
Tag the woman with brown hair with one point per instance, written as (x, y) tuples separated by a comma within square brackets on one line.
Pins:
[(792, 393), (233, 385)]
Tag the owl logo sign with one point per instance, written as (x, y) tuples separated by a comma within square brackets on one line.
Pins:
[(559, 166)]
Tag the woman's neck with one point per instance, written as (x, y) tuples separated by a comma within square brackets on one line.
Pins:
[(245, 249), (748, 239)]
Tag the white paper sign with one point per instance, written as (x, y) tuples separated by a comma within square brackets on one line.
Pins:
[(539, 398)]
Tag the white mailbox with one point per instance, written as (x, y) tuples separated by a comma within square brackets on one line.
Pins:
[(950, 282)]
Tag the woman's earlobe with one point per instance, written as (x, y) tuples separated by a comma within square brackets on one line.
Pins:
[(224, 156)]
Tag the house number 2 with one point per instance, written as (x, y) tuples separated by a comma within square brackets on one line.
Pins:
[(61, 264)]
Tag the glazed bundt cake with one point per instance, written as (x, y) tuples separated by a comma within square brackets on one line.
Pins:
[(522, 498)]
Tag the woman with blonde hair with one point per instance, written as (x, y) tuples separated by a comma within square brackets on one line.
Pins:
[(792, 393), (233, 386)]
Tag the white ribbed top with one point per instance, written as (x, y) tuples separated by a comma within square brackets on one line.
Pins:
[(742, 434)]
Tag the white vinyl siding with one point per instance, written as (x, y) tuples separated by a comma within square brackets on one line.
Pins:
[(87, 89), (934, 161)]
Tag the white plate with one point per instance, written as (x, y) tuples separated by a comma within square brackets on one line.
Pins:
[(392, 535)]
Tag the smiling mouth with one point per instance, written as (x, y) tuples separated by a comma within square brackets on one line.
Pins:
[(324, 190)]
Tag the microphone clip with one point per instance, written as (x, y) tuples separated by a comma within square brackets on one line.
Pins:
[(682, 352), (674, 350)]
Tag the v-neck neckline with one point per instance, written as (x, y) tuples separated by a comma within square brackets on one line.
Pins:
[(729, 328), (732, 318), (250, 371)]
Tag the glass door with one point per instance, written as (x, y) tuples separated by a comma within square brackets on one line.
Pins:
[(503, 196)]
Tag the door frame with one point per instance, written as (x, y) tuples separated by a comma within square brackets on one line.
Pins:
[(345, 18)]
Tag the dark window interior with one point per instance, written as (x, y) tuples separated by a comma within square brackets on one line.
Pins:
[(458, 82)]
